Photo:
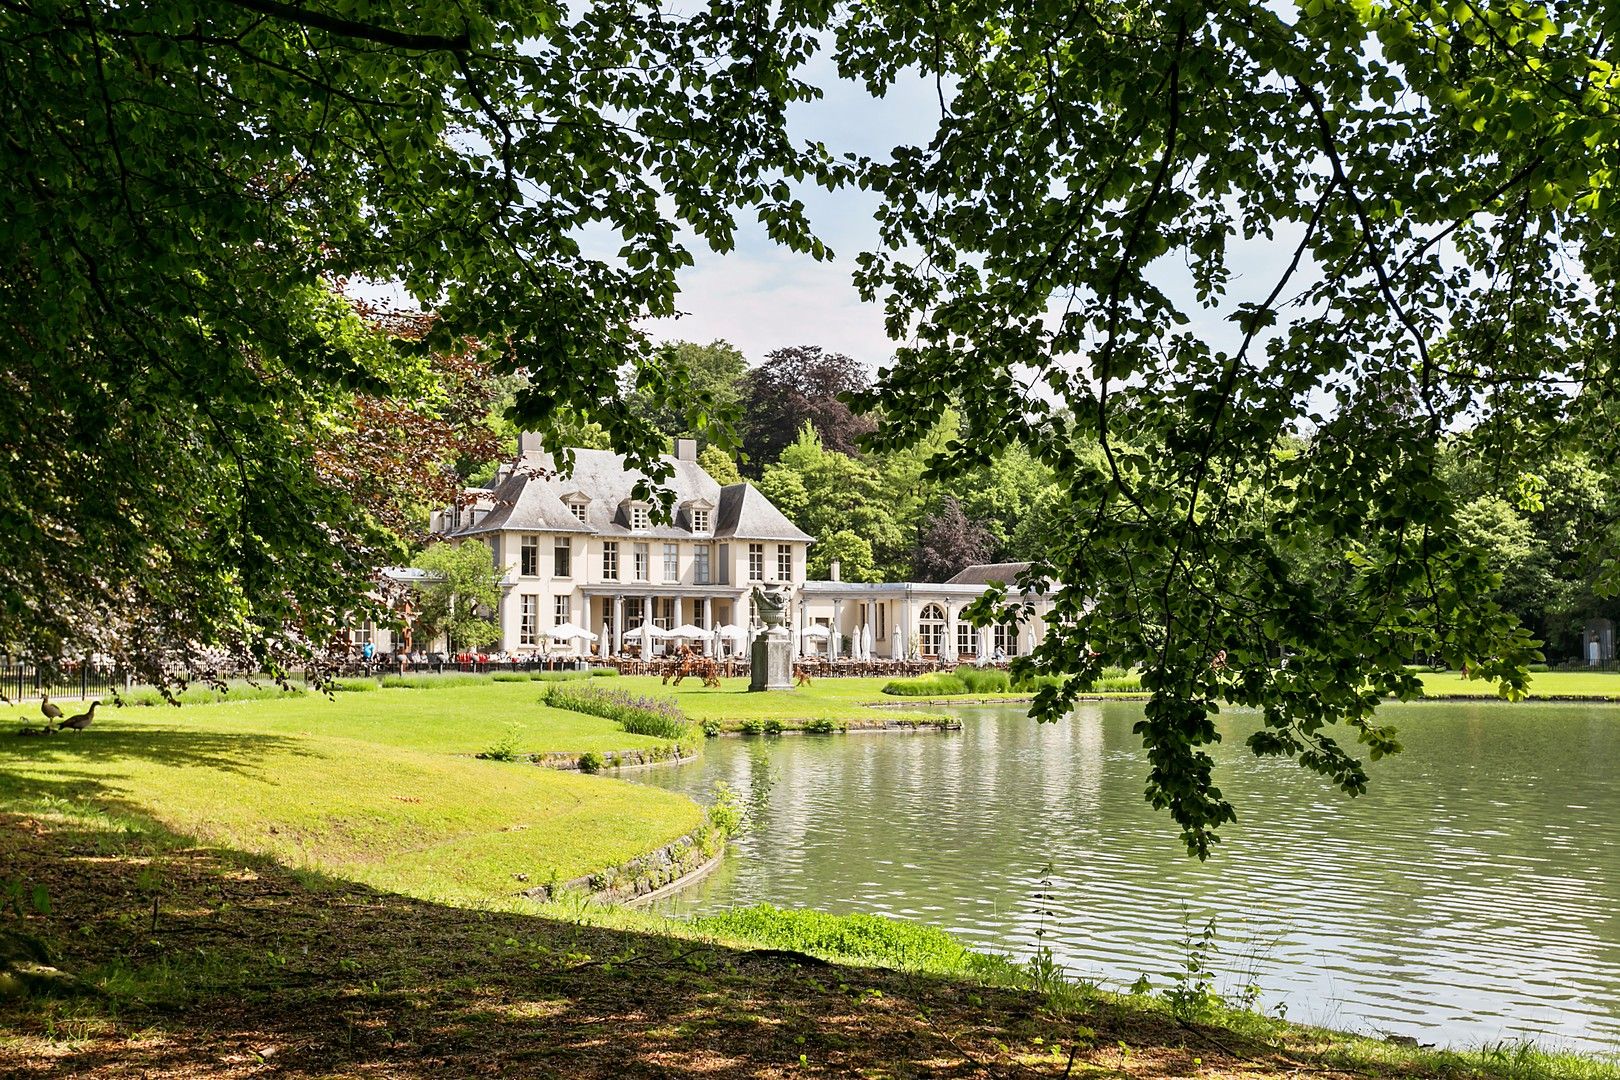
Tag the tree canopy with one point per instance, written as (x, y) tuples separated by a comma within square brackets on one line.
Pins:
[(1254, 471)]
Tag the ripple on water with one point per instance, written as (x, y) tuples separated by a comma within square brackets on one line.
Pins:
[(1472, 895)]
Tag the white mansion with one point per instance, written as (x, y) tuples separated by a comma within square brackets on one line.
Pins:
[(579, 550)]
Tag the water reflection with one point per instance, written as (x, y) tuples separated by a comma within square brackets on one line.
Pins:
[(1473, 895)]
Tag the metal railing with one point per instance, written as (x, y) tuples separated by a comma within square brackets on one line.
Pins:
[(21, 683)]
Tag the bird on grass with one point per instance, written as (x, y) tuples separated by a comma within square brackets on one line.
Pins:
[(80, 722), (51, 711)]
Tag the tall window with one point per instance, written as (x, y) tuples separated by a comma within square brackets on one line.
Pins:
[(931, 630), (1007, 639), (784, 562), (642, 558), (634, 616), (561, 609), (756, 562), (639, 518), (882, 620), (529, 628), (966, 643), (672, 562), (562, 558), (700, 564), (700, 520), (529, 563), (665, 607), (578, 507), (610, 560)]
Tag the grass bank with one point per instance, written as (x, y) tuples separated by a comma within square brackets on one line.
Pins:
[(378, 787), (208, 961)]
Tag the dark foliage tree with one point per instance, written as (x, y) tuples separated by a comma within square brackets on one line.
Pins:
[(186, 183), (797, 386), (947, 541)]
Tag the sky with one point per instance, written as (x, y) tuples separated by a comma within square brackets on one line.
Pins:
[(761, 296)]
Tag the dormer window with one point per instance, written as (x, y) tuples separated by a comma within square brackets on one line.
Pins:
[(700, 519), (578, 508), (639, 518)]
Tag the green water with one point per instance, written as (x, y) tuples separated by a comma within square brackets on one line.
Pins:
[(1473, 895)]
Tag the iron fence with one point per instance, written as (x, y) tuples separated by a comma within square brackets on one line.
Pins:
[(21, 683)]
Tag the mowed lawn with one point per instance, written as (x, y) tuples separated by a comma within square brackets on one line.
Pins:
[(1596, 684), (379, 787)]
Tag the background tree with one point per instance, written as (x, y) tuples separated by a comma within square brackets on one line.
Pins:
[(705, 378), (947, 541), (798, 386), (854, 555), (465, 586), (718, 464)]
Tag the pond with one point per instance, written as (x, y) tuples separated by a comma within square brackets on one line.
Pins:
[(1472, 896)]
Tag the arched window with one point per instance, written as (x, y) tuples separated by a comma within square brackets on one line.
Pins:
[(931, 630)]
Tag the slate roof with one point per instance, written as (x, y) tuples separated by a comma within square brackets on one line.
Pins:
[(745, 514), (985, 573), (531, 498)]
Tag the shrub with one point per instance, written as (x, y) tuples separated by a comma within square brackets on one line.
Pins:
[(1128, 684), (590, 762), (558, 676), (983, 680), (822, 726), (727, 816), (510, 676), (711, 727), (433, 682), (207, 695), (604, 672), (926, 686), (506, 747), (638, 714), (355, 686), (773, 726), (1031, 683), (752, 726)]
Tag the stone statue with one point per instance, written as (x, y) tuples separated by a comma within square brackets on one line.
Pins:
[(772, 660), (771, 605)]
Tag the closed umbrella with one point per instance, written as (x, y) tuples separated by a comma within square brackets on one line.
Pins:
[(866, 642)]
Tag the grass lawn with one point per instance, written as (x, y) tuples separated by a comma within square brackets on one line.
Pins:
[(377, 787), (1596, 684)]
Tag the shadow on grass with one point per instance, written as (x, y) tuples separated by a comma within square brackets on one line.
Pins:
[(221, 963), (178, 747)]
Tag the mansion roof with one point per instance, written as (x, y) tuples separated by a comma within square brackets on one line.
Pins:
[(985, 573), (531, 496)]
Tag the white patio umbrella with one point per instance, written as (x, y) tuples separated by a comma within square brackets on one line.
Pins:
[(571, 631), (733, 633), (648, 632), (816, 631), (688, 631), (866, 642)]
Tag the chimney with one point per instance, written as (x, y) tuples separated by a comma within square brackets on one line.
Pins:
[(834, 570), (529, 444), (685, 449)]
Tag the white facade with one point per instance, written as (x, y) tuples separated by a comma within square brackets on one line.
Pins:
[(579, 549), (918, 620)]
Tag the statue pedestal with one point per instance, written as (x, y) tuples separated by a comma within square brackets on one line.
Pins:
[(772, 662)]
